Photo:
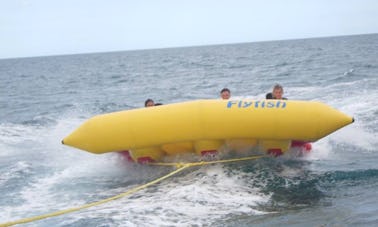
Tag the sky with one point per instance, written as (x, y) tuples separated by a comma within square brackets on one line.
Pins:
[(57, 27)]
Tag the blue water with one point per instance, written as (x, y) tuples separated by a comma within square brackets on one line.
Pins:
[(43, 99)]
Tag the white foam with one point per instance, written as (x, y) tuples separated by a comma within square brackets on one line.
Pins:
[(14, 133), (356, 136), (198, 198), (40, 146), (15, 170)]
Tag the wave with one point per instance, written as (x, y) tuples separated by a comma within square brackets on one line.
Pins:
[(351, 178)]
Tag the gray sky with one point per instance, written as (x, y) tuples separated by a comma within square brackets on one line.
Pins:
[(55, 27)]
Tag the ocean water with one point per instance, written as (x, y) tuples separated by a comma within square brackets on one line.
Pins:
[(43, 99)]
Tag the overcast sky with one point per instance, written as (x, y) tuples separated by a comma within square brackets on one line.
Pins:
[(55, 27)]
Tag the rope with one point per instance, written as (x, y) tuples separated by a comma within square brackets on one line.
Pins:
[(179, 164), (180, 167), (57, 213)]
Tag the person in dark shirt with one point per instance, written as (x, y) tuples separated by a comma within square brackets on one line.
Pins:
[(277, 93), (149, 103)]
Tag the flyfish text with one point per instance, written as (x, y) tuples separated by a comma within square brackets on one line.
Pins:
[(256, 104)]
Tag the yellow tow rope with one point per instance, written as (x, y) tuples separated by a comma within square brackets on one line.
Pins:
[(180, 167)]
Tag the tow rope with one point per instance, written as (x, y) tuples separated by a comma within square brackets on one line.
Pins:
[(179, 167)]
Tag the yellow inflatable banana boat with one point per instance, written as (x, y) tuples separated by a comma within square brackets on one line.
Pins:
[(205, 125)]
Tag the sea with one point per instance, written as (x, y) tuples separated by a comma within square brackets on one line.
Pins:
[(43, 99)]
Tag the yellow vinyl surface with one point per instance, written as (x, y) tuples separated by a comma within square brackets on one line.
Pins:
[(220, 120)]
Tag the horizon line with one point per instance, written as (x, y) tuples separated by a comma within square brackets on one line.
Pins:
[(189, 46)]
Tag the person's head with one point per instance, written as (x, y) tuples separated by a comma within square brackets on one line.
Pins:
[(149, 103), (277, 91), (225, 93)]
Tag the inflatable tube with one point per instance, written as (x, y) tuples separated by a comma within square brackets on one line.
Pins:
[(201, 125)]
